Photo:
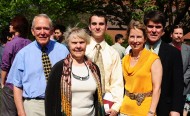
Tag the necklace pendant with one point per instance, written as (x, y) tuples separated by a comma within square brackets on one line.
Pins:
[(79, 77)]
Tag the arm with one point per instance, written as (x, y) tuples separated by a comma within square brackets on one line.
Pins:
[(6, 63), (173, 113), (19, 101), (15, 77), (3, 77), (53, 92), (156, 72), (116, 84), (177, 84), (187, 72)]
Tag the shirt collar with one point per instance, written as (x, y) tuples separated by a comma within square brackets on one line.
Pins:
[(93, 43), (117, 44), (155, 46), (16, 37), (48, 46)]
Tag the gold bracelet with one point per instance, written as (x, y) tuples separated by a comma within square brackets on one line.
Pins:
[(153, 113)]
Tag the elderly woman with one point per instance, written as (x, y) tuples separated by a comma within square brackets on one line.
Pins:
[(142, 72), (74, 87)]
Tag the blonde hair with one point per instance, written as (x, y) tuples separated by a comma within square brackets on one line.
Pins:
[(136, 25), (79, 32)]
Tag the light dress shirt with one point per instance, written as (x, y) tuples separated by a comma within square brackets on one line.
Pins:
[(27, 69), (156, 46), (127, 50), (112, 68), (120, 49)]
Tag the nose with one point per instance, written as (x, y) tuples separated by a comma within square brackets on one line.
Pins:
[(154, 29), (42, 31), (78, 45), (97, 26), (135, 39), (179, 35)]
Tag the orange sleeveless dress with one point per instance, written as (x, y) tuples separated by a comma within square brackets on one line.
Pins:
[(137, 80)]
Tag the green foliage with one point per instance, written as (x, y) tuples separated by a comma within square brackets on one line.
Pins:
[(71, 12), (108, 39), (125, 43)]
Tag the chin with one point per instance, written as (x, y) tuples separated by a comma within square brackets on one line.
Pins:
[(78, 55), (152, 40), (43, 43)]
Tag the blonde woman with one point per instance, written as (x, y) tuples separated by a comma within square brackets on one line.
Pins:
[(142, 72)]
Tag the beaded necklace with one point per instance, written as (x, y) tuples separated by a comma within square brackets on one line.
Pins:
[(80, 77)]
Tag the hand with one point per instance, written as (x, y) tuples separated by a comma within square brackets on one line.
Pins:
[(111, 112), (173, 113), (151, 113), (21, 114), (2, 85)]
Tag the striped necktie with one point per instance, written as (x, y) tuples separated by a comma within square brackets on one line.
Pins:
[(99, 62), (46, 63)]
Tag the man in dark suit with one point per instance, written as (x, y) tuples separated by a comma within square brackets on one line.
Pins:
[(171, 99), (177, 41)]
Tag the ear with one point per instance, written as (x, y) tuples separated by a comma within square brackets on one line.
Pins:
[(145, 40), (106, 27), (163, 33), (51, 32), (171, 35), (32, 30), (89, 27)]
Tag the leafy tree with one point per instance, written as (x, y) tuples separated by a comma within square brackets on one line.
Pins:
[(108, 39), (119, 12)]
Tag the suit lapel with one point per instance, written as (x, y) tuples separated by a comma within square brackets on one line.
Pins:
[(162, 51)]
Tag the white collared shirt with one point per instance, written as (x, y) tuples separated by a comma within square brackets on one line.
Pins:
[(112, 69)]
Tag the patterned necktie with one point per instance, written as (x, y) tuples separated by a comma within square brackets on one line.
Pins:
[(99, 62), (46, 63)]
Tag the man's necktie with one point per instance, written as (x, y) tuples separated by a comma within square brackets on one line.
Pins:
[(99, 62), (46, 63), (151, 48)]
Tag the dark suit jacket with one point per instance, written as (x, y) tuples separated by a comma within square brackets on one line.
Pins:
[(171, 98), (185, 52)]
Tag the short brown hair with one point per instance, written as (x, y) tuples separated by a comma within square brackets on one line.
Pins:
[(99, 14), (175, 27), (21, 25), (156, 17)]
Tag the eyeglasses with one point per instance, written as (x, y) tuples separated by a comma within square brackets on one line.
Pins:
[(157, 26)]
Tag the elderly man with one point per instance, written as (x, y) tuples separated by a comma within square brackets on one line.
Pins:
[(29, 72)]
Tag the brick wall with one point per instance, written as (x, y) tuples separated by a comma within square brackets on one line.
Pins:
[(112, 33)]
